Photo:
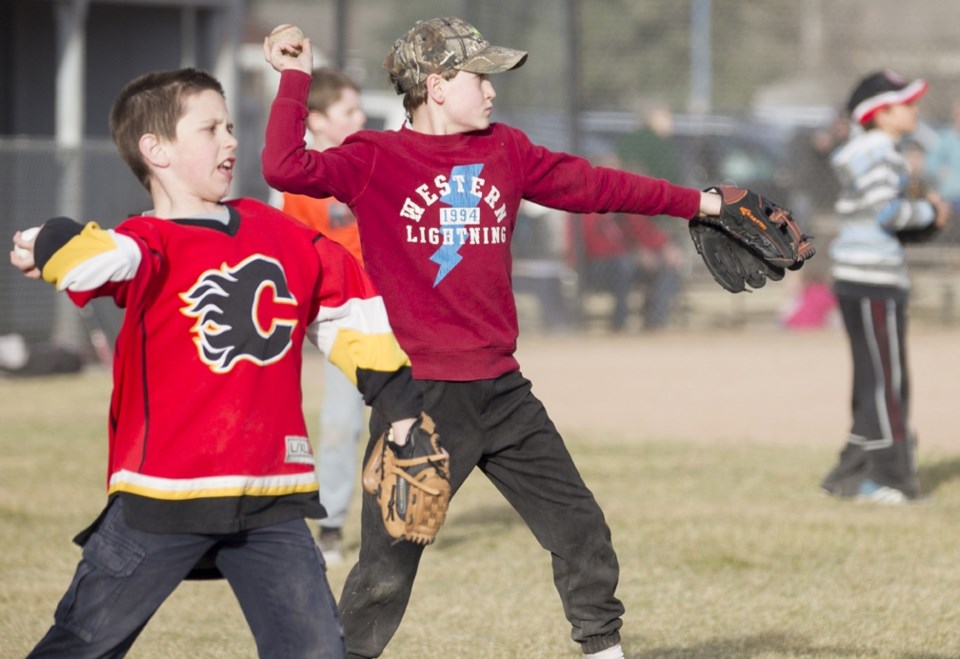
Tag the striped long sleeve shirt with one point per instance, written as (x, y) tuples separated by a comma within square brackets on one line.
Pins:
[(872, 208)]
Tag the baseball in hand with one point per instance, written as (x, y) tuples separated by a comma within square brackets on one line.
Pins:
[(26, 235), (290, 34)]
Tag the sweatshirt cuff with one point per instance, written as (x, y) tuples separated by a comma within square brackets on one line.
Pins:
[(294, 85), (687, 202)]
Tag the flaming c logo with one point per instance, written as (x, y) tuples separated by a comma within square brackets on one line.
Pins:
[(245, 312)]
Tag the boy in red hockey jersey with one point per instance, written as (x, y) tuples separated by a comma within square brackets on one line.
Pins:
[(436, 204), (209, 461)]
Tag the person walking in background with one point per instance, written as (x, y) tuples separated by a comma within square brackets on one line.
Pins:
[(437, 202), (870, 279), (334, 113)]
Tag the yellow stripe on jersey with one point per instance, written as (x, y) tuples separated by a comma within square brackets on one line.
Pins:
[(175, 489), (366, 315), (353, 350), (357, 335), (92, 258)]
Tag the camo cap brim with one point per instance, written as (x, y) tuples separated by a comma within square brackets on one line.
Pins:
[(444, 44)]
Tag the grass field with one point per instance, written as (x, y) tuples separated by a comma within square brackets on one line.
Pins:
[(726, 551)]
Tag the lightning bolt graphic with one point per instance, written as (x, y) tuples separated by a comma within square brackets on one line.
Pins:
[(448, 256)]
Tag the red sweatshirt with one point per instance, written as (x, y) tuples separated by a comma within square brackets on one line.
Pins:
[(436, 215)]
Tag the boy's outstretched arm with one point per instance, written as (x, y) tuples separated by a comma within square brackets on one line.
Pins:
[(290, 166), (77, 258)]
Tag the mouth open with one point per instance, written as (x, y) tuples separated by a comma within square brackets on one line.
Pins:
[(226, 167)]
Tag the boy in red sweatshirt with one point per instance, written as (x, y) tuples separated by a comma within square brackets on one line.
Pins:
[(436, 203)]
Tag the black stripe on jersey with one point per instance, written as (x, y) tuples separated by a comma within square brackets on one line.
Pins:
[(56, 233), (217, 514), (213, 515)]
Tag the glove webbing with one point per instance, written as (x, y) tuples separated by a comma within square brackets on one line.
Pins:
[(398, 470)]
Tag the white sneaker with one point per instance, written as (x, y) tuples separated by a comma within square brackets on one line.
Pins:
[(873, 492), (613, 652)]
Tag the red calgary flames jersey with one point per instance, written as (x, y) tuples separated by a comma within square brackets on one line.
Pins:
[(206, 428)]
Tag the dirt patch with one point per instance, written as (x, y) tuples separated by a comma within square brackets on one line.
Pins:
[(751, 385)]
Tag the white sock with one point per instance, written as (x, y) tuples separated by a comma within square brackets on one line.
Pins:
[(615, 652)]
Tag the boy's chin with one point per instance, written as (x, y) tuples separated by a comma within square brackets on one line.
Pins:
[(224, 194)]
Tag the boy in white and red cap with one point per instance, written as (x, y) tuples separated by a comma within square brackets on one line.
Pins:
[(870, 278)]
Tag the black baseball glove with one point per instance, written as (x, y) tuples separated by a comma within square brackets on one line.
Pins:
[(750, 241)]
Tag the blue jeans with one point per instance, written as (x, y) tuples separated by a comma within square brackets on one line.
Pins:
[(276, 573), (341, 424)]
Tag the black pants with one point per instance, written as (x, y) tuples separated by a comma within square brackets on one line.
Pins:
[(881, 444), (499, 426)]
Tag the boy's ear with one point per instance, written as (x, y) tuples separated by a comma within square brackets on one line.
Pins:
[(435, 87), (151, 148), (316, 121)]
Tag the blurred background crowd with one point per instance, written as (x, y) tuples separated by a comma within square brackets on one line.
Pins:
[(697, 91)]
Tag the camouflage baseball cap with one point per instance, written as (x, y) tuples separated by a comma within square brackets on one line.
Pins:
[(443, 44)]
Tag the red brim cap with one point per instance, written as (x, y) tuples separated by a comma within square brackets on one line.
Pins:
[(866, 109)]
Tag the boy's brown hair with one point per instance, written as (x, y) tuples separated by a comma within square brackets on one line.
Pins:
[(154, 103), (327, 87), (417, 96)]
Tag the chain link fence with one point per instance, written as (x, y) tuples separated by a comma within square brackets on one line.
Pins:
[(39, 180), (697, 91), (750, 93)]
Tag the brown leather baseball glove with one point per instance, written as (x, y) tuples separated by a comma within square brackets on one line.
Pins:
[(410, 482)]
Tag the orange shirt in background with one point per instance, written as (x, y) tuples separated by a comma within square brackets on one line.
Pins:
[(330, 217)]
